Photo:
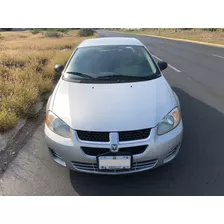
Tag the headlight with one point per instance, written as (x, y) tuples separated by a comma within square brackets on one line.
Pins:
[(169, 122), (57, 125)]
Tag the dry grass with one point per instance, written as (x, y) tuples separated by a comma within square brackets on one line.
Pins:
[(194, 34), (27, 70)]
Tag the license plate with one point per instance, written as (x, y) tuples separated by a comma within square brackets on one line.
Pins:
[(114, 162)]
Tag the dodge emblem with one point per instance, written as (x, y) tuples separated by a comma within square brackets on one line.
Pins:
[(114, 147)]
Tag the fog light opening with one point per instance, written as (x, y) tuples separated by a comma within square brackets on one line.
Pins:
[(57, 158), (172, 154)]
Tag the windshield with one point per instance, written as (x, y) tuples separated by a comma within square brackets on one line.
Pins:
[(111, 63)]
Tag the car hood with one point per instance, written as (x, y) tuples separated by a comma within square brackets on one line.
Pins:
[(113, 106)]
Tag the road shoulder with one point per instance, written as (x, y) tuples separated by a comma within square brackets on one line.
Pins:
[(34, 173)]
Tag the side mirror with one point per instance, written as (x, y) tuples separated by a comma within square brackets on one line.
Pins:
[(162, 65), (59, 68)]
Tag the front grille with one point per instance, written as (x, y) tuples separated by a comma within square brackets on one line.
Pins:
[(97, 151), (136, 166), (94, 151), (134, 150), (104, 136), (93, 136), (134, 135)]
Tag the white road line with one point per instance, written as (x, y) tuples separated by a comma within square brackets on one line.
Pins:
[(175, 69), (215, 55), (156, 57), (161, 42)]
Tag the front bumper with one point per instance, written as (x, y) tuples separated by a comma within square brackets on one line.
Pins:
[(160, 150)]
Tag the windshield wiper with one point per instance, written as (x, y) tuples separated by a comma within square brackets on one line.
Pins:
[(81, 75), (121, 77)]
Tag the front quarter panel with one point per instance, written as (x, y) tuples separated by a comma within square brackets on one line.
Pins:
[(177, 99), (50, 101)]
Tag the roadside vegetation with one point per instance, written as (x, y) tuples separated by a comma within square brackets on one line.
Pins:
[(27, 62), (86, 32), (208, 35), (51, 32)]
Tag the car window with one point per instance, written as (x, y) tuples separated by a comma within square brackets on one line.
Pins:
[(101, 61)]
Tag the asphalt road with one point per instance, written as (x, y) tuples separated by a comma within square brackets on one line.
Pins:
[(196, 74)]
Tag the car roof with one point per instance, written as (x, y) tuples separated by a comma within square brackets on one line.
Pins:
[(110, 41)]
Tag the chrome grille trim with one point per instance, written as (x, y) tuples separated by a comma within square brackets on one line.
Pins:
[(124, 136), (137, 166)]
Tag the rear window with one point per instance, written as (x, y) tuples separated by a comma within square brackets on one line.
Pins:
[(101, 61)]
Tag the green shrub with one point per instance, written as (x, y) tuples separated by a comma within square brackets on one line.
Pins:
[(86, 32), (210, 29), (35, 31), (186, 28), (52, 34), (62, 30)]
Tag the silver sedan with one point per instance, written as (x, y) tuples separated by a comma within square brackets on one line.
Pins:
[(112, 111)]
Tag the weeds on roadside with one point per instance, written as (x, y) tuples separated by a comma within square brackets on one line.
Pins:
[(35, 31), (52, 34), (50, 31), (27, 70), (85, 32)]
